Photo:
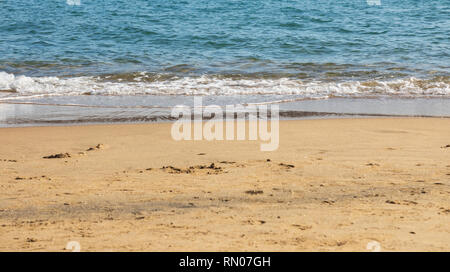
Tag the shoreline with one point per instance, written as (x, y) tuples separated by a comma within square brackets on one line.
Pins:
[(325, 116), (332, 185), (120, 110)]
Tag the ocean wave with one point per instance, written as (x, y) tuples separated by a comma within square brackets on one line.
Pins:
[(162, 84)]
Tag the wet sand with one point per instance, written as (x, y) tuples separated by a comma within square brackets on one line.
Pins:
[(93, 109), (333, 185)]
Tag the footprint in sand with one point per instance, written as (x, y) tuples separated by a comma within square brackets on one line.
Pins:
[(7, 160), (287, 166), (254, 192), (97, 147), (284, 165), (58, 156), (302, 227), (68, 155), (211, 169), (41, 178)]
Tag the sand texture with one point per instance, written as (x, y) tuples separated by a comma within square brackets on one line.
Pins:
[(333, 185)]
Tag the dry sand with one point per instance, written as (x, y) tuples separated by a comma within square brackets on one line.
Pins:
[(333, 185)]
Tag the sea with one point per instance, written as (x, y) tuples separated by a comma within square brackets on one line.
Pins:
[(109, 61)]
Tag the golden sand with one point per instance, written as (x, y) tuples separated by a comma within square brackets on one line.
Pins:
[(333, 185)]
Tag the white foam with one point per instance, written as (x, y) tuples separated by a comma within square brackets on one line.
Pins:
[(214, 85), (73, 2)]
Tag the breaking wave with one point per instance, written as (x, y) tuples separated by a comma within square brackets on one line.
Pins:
[(12, 86)]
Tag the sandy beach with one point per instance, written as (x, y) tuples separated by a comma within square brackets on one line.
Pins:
[(332, 185)]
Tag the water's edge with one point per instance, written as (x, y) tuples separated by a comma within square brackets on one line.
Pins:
[(17, 114)]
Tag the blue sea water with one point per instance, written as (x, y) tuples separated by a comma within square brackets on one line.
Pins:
[(249, 50)]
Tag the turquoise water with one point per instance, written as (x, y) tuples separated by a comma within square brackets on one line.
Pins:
[(256, 49), (104, 36)]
